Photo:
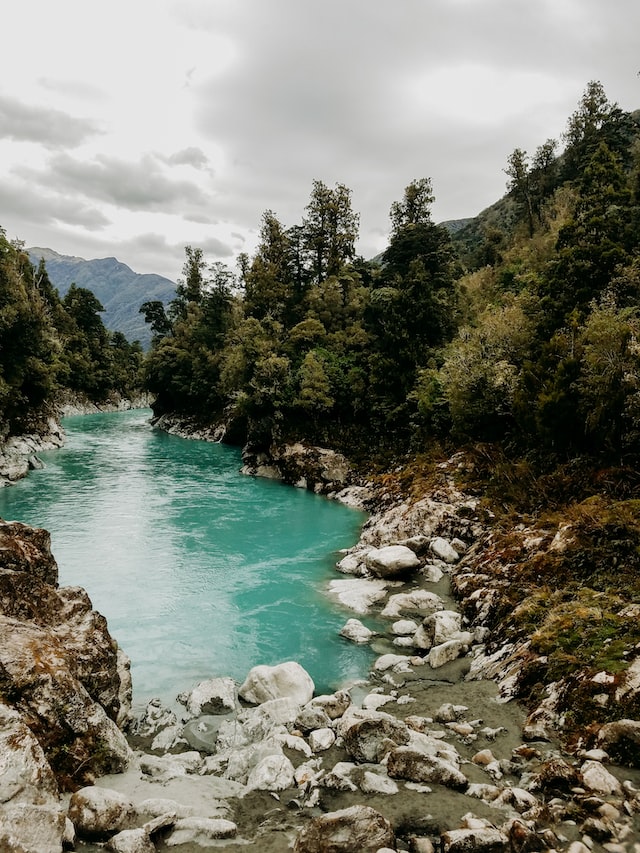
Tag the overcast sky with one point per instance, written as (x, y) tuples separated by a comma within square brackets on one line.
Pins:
[(135, 127)]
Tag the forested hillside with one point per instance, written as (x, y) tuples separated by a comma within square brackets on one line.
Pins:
[(517, 328), (49, 344)]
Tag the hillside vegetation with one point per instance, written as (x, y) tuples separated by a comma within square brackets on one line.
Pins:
[(49, 344), (517, 328)]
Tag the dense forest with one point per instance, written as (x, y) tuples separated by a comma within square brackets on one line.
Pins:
[(50, 345), (520, 328)]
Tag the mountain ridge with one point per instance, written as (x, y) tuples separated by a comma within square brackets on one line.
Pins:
[(120, 289)]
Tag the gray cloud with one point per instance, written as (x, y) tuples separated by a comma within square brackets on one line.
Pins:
[(75, 88), (189, 157), (48, 127), (29, 204), (152, 248), (333, 92), (216, 248), (132, 185)]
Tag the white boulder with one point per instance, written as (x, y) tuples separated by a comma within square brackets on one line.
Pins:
[(438, 628), (417, 601), (444, 550), (286, 680), (358, 594), (98, 812), (391, 561), (353, 564), (356, 632), (597, 778), (213, 696), (321, 739), (449, 651), (273, 773), (200, 831)]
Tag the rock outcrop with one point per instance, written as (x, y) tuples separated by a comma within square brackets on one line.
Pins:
[(63, 686), (318, 469), (19, 454)]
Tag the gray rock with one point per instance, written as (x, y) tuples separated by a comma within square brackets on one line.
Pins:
[(358, 594), (98, 813), (154, 719), (131, 841), (620, 737), (449, 713), (25, 775), (474, 840), (321, 739), (31, 828), (356, 632), (358, 828), (370, 739), (404, 627), (407, 763), (214, 696), (40, 669), (200, 831), (392, 561), (339, 777), (443, 550), (418, 601), (353, 564), (377, 783), (449, 651), (273, 773), (597, 778), (311, 717), (333, 704)]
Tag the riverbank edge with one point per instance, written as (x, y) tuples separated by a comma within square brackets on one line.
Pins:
[(19, 453), (430, 526), (485, 585)]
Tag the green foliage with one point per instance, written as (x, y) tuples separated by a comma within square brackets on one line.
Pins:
[(536, 350), (47, 344)]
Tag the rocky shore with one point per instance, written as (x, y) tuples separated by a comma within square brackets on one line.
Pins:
[(19, 454), (73, 404), (431, 752)]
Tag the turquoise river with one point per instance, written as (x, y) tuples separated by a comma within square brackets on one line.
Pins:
[(200, 571)]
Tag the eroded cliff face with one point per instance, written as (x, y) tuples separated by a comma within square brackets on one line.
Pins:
[(62, 675)]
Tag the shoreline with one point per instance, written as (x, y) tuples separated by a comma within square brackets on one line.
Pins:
[(431, 749)]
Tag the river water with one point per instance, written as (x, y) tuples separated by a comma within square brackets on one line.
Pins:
[(200, 571)]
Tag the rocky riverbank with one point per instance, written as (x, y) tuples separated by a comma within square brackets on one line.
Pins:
[(74, 404), (432, 751), (19, 454)]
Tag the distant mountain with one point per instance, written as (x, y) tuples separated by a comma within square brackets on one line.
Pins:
[(120, 290)]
